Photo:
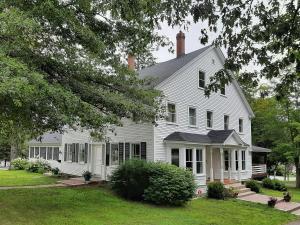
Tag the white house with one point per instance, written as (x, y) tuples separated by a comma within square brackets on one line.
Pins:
[(211, 136)]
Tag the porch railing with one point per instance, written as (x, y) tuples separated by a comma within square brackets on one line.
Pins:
[(259, 168)]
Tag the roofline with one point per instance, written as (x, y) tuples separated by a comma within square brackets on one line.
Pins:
[(205, 144)]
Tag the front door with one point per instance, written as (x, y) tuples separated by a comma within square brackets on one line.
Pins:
[(97, 161)]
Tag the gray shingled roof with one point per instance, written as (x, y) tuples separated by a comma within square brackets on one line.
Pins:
[(213, 137), (48, 138), (260, 149), (161, 71)]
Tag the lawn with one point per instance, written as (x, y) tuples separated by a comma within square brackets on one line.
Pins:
[(95, 206), (291, 188), (22, 178)]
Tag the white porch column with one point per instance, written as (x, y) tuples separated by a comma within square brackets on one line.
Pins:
[(240, 164), (222, 164), (229, 163), (211, 165)]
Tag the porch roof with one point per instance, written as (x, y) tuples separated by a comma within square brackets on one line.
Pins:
[(260, 149), (47, 138), (212, 137)]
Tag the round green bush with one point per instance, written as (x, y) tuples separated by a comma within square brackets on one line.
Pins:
[(154, 182), (38, 166), (216, 190), (253, 185), (19, 164), (279, 185), (268, 183)]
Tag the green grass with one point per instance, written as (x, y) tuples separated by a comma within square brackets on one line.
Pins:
[(22, 178), (98, 206)]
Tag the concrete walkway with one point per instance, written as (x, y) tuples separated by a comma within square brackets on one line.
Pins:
[(32, 186)]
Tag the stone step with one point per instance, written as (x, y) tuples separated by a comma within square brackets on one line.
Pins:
[(235, 186), (296, 212), (244, 194), (243, 190), (287, 206)]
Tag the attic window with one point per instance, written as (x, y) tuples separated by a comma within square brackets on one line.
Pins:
[(201, 79)]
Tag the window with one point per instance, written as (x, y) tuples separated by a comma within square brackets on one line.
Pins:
[(175, 156), (199, 161), (114, 154), (31, 152), (36, 152), (55, 153), (136, 151), (223, 90), (171, 113), (49, 153), (226, 160), (241, 125), (69, 152), (209, 119), (81, 153), (201, 79), (236, 160), (192, 117), (243, 160), (189, 158), (226, 122)]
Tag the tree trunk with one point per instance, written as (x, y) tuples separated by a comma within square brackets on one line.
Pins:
[(13, 152)]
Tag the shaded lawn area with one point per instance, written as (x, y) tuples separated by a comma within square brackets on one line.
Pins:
[(95, 206), (23, 178)]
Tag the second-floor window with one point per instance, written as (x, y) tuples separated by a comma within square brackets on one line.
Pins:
[(171, 113), (209, 119), (223, 90), (226, 122), (241, 125), (201, 79), (192, 116)]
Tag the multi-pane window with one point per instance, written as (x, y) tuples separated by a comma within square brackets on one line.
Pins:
[(114, 154), (136, 151), (226, 122), (171, 113), (226, 160), (31, 152), (241, 125), (36, 152), (192, 116), (199, 161), (43, 152), (49, 153), (175, 156), (201, 79), (222, 89), (55, 153), (236, 160), (189, 158), (243, 160), (81, 153), (209, 119)]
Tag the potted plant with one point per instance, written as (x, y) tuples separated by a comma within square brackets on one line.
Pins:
[(87, 176), (272, 202), (287, 197)]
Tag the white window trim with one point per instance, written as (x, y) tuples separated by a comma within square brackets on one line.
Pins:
[(228, 121), (243, 125), (132, 149), (243, 160), (212, 119), (176, 114), (193, 107), (203, 71)]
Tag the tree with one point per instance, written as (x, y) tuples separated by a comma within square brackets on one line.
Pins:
[(62, 63), (263, 33)]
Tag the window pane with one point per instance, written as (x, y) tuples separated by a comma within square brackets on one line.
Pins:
[(226, 159), (236, 160), (49, 153), (243, 160), (36, 152), (201, 79), (81, 153), (209, 119), (56, 153), (192, 116), (189, 158), (175, 156), (240, 125), (199, 167), (226, 122), (136, 151), (171, 113), (114, 154), (31, 153), (43, 152)]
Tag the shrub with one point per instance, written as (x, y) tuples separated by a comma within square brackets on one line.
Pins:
[(253, 185), (272, 202), (87, 175), (158, 183), (169, 185), (38, 166), (55, 171), (216, 190), (230, 193), (279, 185), (19, 164), (268, 183)]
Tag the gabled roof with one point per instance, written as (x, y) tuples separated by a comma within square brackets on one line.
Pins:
[(161, 71), (260, 149), (213, 137), (47, 138)]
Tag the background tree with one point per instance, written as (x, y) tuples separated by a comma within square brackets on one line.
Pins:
[(62, 63)]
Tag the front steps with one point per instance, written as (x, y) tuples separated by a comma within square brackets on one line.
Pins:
[(241, 189)]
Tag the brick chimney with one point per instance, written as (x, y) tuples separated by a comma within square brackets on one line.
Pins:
[(131, 62), (180, 45)]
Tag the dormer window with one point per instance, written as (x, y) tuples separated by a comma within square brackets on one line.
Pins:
[(201, 79)]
